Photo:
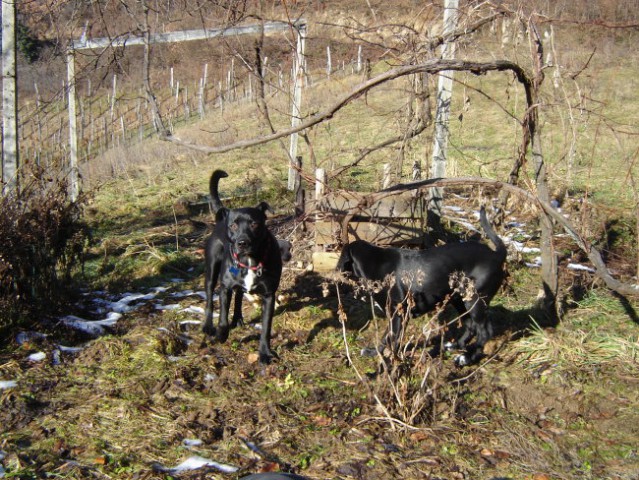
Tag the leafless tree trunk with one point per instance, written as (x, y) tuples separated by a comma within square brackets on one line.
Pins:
[(548, 297), (10, 161), (444, 98)]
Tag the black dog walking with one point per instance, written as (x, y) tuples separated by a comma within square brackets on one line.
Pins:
[(245, 256), (426, 274)]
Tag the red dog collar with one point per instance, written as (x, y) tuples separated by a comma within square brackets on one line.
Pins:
[(257, 269)]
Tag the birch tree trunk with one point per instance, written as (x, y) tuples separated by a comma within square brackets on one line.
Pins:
[(444, 96), (10, 162)]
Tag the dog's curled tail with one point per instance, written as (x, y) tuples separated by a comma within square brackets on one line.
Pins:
[(216, 203), (500, 247)]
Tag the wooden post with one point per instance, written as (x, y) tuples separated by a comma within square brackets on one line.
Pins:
[(386, 178), (320, 187), (200, 99), (444, 95), (74, 181), (320, 183), (299, 191), (297, 101), (114, 95)]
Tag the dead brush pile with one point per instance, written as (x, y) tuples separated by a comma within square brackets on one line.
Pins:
[(43, 238)]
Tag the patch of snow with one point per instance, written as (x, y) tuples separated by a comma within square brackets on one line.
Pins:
[(453, 208), (94, 328), (37, 357), (580, 267), (123, 305), (189, 293), (194, 309), (4, 384), (516, 225), (64, 349), (193, 463), (192, 442), (171, 306), (520, 247), (190, 322)]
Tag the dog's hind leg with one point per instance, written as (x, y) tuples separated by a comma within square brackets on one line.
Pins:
[(213, 272), (268, 309), (223, 325), (478, 326)]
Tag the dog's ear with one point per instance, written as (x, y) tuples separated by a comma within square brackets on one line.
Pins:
[(345, 262), (265, 207)]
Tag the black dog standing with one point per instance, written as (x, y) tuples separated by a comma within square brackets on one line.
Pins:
[(426, 274), (245, 256)]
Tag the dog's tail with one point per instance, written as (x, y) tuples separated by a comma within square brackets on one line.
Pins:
[(500, 247), (216, 203)]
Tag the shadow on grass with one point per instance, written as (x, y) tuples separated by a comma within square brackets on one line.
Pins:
[(627, 306), (310, 288)]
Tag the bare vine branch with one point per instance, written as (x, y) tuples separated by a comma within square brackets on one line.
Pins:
[(430, 66)]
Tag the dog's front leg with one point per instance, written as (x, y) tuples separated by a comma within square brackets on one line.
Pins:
[(238, 318), (223, 325), (268, 308)]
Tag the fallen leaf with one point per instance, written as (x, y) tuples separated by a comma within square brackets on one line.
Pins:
[(541, 476), (101, 460), (253, 358), (269, 467), (500, 454), (486, 452), (321, 421), (419, 436)]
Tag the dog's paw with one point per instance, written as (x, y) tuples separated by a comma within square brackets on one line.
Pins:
[(450, 346), (462, 360), (209, 330), (237, 322), (265, 359), (222, 334)]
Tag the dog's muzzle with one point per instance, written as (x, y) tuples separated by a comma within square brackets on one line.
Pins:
[(243, 245)]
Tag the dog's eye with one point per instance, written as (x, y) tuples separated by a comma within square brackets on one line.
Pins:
[(254, 225)]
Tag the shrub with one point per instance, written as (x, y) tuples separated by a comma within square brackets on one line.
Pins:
[(42, 240)]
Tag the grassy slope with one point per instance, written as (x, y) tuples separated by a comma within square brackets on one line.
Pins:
[(558, 401)]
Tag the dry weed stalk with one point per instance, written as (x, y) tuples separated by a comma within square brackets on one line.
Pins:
[(407, 381)]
